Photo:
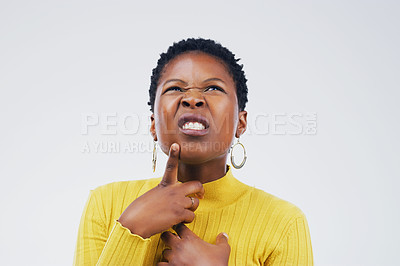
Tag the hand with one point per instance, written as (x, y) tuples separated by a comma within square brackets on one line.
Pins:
[(188, 249), (165, 205)]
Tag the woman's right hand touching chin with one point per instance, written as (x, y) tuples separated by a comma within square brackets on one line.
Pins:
[(165, 205)]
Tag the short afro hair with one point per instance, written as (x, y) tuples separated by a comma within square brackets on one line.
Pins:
[(209, 47)]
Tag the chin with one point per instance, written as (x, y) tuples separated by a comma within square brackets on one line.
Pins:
[(194, 153), (191, 157)]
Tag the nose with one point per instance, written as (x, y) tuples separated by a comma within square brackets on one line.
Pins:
[(193, 99)]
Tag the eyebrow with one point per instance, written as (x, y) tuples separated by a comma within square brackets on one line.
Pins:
[(181, 81), (214, 79), (175, 80)]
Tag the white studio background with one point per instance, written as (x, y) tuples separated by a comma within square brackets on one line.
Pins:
[(338, 60)]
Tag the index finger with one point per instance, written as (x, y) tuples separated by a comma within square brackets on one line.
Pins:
[(171, 169), (183, 231), (169, 239)]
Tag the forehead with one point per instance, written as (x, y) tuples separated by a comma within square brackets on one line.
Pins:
[(196, 65)]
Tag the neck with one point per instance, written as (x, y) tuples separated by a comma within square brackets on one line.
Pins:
[(204, 172)]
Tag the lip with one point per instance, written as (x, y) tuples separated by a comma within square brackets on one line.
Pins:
[(190, 117)]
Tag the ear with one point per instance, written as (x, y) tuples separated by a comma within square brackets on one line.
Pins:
[(153, 127), (242, 124)]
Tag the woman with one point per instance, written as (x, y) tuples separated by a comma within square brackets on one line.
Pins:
[(197, 213)]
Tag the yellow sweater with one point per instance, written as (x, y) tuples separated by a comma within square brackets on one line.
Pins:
[(262, 229)]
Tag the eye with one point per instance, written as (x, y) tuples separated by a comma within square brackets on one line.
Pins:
[(214, 88), (173, 89)]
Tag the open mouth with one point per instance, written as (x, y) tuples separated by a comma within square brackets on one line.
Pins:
[(193, 124)]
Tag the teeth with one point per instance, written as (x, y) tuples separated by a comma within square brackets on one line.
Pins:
[(193, 125)]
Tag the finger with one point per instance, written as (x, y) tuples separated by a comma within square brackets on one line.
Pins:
[(169, 239), (193, 187), (191, 203), (222, 239), (171, 169), (187, 216), (183, 231), (167, 254)]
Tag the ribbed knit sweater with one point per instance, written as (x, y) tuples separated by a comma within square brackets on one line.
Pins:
[(262, 229)]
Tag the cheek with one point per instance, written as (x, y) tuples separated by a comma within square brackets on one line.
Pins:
[(164, 113), (225, 117), (165, 124)]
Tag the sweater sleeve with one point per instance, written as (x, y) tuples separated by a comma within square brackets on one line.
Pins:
[(295, 248), (95, 247)]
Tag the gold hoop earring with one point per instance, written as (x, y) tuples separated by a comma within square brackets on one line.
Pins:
[(154, 160), (244, 156)]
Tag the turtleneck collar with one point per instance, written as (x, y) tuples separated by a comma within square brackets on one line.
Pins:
[(222, 192)]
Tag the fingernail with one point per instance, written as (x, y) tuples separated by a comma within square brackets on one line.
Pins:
[(226, 235), (174, 147)]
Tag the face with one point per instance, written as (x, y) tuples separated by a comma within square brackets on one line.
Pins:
[(196, 106)]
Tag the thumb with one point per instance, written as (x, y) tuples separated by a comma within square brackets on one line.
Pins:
[(222, 239)]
